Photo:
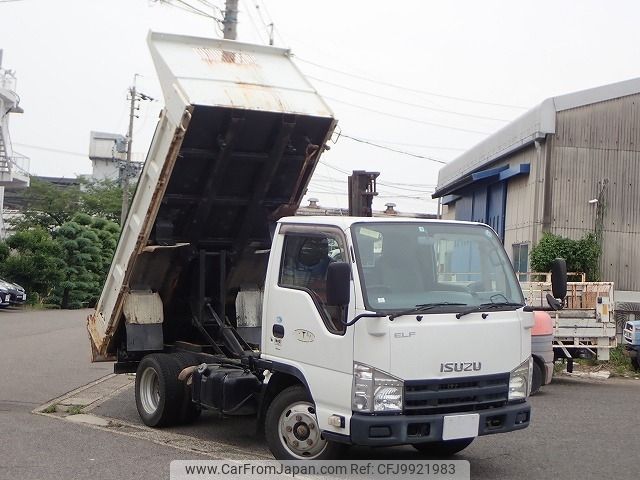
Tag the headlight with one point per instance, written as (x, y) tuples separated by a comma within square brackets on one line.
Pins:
[(520, 380), (375, 391)]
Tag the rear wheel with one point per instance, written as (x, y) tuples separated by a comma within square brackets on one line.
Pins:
[(291, 428), (635, 363), (443, 449), (159, 394)]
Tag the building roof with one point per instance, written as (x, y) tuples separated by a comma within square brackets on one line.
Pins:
[(532, 125)]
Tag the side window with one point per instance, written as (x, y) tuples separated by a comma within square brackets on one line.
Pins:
[(305, 260)]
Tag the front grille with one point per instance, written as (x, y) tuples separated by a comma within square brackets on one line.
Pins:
[(426, 397)]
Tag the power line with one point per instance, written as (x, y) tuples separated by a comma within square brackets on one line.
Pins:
[(410, 104), (404, 87), (328, 165), (253, 22), (275, 30), (47, 149), (187, 7), (416, 145), (402, 117), (395, 150)]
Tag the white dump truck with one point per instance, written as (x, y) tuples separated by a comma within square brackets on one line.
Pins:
[(332, 331)]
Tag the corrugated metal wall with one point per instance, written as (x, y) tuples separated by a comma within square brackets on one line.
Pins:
[(592, 144), (523, 216)]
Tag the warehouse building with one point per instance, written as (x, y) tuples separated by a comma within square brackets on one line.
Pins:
[(562, 166)]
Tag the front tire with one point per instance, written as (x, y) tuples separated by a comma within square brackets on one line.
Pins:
[(291, 428), (159, 394), (443, 449)]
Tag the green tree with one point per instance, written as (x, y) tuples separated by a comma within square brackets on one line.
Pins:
[(581, 255), (47, 205), (102, 199), (33, 259), (87, 248)]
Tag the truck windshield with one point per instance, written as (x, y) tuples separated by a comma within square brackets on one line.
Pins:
[(452, 266)]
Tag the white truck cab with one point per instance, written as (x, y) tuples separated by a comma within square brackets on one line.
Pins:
[(416, 367)]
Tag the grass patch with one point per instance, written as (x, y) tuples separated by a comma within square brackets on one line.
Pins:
[(619, 362), (51, 408), (74, 409)]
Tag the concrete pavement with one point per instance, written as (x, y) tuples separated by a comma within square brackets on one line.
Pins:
[(580, 429), (44, 354)]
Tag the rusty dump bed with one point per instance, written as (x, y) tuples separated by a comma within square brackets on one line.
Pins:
[(235, 147)]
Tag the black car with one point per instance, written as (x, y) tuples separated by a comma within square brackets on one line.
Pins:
[(5, 296), (16, 294)]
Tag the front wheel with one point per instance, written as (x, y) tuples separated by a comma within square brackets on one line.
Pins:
[(291, 428), (445, 448)]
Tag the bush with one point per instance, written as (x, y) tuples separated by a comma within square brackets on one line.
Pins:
[(581, 255), (35, 262)]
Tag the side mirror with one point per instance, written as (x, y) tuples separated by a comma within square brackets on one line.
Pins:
[(559, 278), (338, 284)]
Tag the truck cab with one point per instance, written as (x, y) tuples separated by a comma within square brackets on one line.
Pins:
[(441, 351)]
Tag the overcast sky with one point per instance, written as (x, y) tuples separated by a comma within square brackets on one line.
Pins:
[(431, 78)]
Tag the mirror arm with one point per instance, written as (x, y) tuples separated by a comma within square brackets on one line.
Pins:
[(530, 308), (363, 315), (554, 306)]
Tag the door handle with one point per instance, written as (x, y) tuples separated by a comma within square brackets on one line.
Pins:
[(278, 330)]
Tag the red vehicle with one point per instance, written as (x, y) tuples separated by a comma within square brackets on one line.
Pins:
[(542, 350)]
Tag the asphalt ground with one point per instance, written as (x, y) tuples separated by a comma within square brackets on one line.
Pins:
[(44, 354), (580, 429)]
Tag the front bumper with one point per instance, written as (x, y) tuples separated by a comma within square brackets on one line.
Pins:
[(4, 299), (387, 430), (17, 298)]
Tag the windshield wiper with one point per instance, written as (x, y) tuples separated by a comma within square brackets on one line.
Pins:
[(487, 306), (422, 307)]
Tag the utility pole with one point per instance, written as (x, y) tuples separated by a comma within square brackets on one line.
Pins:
[(230, 21), (126, 167)]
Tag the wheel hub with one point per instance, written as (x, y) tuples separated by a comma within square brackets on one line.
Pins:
[(301, 431), (150, 391), (298, 429)]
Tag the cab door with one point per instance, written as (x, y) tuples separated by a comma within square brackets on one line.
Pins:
[(299, 328)]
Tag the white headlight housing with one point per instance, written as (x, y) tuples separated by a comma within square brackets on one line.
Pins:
[(375, 391), (520, 380)]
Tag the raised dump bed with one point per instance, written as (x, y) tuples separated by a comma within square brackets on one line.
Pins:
[(234, 149)]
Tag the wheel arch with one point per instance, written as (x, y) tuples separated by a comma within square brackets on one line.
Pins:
[(282, 377)]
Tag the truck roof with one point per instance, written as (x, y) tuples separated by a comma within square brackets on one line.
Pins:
[(345, 222)]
